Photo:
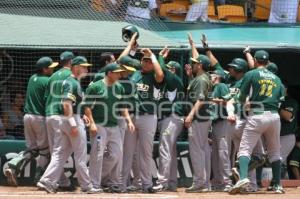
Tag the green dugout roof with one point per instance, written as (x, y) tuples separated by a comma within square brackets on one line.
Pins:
[(19, 31), (236, 36)]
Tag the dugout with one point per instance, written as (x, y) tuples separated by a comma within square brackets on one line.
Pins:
[(27, 34), (23, 39)]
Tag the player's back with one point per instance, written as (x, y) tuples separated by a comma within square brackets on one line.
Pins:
[(35, 101), (54, 91), (266, 89)]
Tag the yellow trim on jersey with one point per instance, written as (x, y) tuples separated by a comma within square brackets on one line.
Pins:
[(71, 97)]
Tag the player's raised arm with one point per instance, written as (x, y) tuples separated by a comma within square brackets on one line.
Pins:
[(249, 57), (195, 53), (208, 51), (132, 45), (159, 75)]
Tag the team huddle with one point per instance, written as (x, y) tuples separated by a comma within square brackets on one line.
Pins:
[(129, 100)]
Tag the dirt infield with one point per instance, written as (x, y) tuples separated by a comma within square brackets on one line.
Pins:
[(33, 193)]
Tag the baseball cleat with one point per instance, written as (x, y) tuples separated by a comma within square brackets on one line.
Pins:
[(92, 191), (241, 184), (149, 190), (194, 189), (133, 188), (43, 186), (11, 177), (227, 188), (278, 189), (159, 188)]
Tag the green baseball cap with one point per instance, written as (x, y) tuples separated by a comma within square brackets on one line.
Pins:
[(217, 72), (127, 63), (239, 65), (46, 62), (136, 64), (113, 67), (80, 61), (173, 64), (272, 67), (67, 55), (203, 59), (261, 55)]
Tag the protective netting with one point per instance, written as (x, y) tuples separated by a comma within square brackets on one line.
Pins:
[(101, 10), (16, 66)]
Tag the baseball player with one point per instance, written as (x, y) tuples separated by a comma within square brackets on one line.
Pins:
[(71, 135), (198, 121), (102, 104), (263, 87), (34, 124), (130, 64), (107, 169), (221, 137), (237, 69), (288, 115), (272, 67), (53, 105), (171, 124), (147, 81)]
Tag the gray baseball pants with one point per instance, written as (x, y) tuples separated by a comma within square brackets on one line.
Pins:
[(110, 138), (36, 137), (63, 146), (170, 128), (53, 124), (266, 124), (200, 153), (108, 161), (221, 148), (143, 138), (287, 143)]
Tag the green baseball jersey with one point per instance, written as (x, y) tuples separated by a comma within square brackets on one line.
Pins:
[(234, 92), (105, 102), (148, 92), (71, 90), (54, 91), (35, 94), (129, 93), (220, 91), (199, 89), (230, 81), (99, 76), (263, 88), (173, 93), (289, 127)]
